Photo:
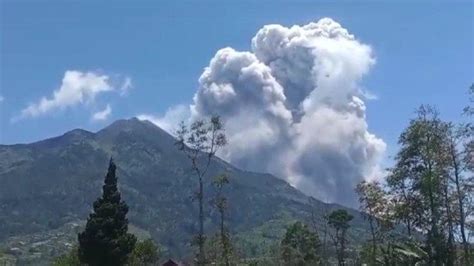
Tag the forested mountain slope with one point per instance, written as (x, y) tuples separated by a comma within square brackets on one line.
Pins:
[(49, 183)]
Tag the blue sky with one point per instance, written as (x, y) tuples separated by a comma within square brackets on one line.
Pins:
[(424, 53)]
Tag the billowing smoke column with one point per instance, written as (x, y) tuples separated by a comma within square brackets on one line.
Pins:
[(293, 107)]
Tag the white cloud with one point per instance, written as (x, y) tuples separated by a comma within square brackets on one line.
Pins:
[(127, 85), (170, 119), (103, 114), (76, 88), (293, 106), (2, 98)]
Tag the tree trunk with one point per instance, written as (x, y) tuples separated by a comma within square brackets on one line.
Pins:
[(407, 201), (374, 240), (450, 243), (343, 247), (460, 198), (201, 257), (224, 240), (434, 242)]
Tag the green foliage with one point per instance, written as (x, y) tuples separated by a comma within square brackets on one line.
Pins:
[(145, 253), (215, 251), (410, 251), (339, 221), (300, 246), (421, 171), (69, 259), (220, 203), (366, 254), (264, 240), (402, 252), (374, 206), (105, 241), (428, 191)]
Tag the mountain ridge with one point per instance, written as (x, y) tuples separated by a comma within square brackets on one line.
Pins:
[(51, 182)]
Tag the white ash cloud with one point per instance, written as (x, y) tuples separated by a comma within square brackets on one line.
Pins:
[(293, 106)]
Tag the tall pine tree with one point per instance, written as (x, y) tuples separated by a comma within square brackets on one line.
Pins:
[(105, 240)]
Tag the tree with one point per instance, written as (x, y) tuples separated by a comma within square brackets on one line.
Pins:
[(323, 209), (339, 221), (105, 240), (220, 203), (403, 197), (200, 142), (431, 184), (461, 147), (300, 246), (373, 205), (448, 214), (214, 251), (463, 185), (421, 165), (469, 110), (145, 253)]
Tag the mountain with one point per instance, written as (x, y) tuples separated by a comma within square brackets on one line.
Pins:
[(51, 183)]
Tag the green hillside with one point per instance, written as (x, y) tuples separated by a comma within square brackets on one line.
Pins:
[(49, 184)]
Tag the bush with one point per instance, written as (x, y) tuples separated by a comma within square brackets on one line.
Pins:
[(145, 253), (69, 259)]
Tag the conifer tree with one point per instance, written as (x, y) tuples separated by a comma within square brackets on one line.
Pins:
[(105, 240)]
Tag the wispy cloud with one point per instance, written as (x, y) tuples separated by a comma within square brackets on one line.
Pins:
[(103, 114), (170, 119), (77, 88), (127, 85)]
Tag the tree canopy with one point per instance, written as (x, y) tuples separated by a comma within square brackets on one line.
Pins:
[(105, 240)]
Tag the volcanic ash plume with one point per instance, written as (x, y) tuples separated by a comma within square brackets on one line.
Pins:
[(293, 107)]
